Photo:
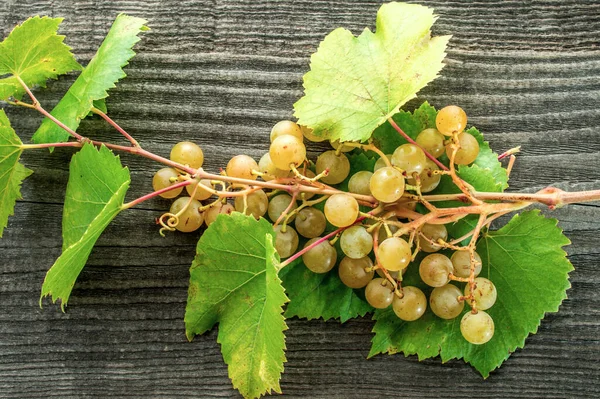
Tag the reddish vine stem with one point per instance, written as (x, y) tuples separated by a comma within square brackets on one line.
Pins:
[(116, 126)]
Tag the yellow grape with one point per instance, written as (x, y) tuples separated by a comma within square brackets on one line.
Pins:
[(256, 204), (187, 153), (216, 210), (409, 158), (432, 141), (477, 328), (321, 258), (338, 165), (444, 301), (341, 210), (353, 272), (434, 232), (282, 128), (191, 218), (387, 184), (394, 253), (469, 149), (162, 179), (451, 120), (201, 193), (484, 295), (241, 166), (287, 150), (411, 306)]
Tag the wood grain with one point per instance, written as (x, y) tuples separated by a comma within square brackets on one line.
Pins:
[(222, 73)]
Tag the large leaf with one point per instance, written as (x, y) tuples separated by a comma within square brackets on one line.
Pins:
[(100, 75), (234, 283), (356, 83), (35, 53), (526, 262), (12, 173), (95, 193)]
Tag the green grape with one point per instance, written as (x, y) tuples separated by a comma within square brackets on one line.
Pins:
[(310, 222), (286, 242), (435, 270), (434, 232), (451, 120), (341, 210), (162, 179), (411, 306), (191, 219), (356, 242), (444, 301), (278, 205), (387, 184), (216, 210), (429, 181), (283, 128), (287, 150), (321, 258), (241, 166), (477, 328), (338, 165), (269, 170), (379, 293), (353, 272), (394, 254), (461, 260), (308, 134), (409, 158), (380, 163), (256, 204), (432, 141), (201, 193), (359, 183), (336, 144), (484, 295), (187, 153), (469, 149)]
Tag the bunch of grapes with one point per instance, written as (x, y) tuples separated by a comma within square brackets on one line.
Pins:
[(300, 198)]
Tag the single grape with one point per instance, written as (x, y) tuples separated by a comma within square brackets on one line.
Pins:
[(432, 141), (162, 179), (187, 153), (409, 158), (356, 242), (451, 120), (444, 301), (310, 136), (353, 272), (201, 193), (269, 170), (359, 183), (321, 258), (484, 295), (477, 328), (435, 270), (380, 163), (434, 232), (241, 166), (278, 204), (341, 210), (469, 149), (429, 181), (411, 306), (191, 218), (461, 260), (282, 128), (310, 222), (216, 210), (387, 184), (394, 253), (336, 144), (286, 242), (338, 166), (379, 293), (287, 150), (256, 204)]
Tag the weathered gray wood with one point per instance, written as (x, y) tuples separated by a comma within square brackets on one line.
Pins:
[(221, 73)]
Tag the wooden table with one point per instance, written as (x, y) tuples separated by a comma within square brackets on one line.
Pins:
[(222, 73)]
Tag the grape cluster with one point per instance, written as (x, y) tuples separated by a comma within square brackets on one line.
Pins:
[(383, 241)]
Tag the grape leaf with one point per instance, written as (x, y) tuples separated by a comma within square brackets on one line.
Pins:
[(12, 172), (526, 262), (100, 75), (95, 193), (356, 83), (35, 53), (233, 281)]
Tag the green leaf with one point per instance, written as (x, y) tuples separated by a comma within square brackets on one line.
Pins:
[(526, 262), (356, 83), (234, 283), (358, 162), (95, 193), (12, 173), (100, 75), (35, 53)]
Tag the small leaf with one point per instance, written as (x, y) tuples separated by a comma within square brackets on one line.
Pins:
[(356, 83), (35, 53), (529, 268), (95, 193), (234, 282), (100, 75), (12, 173)]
